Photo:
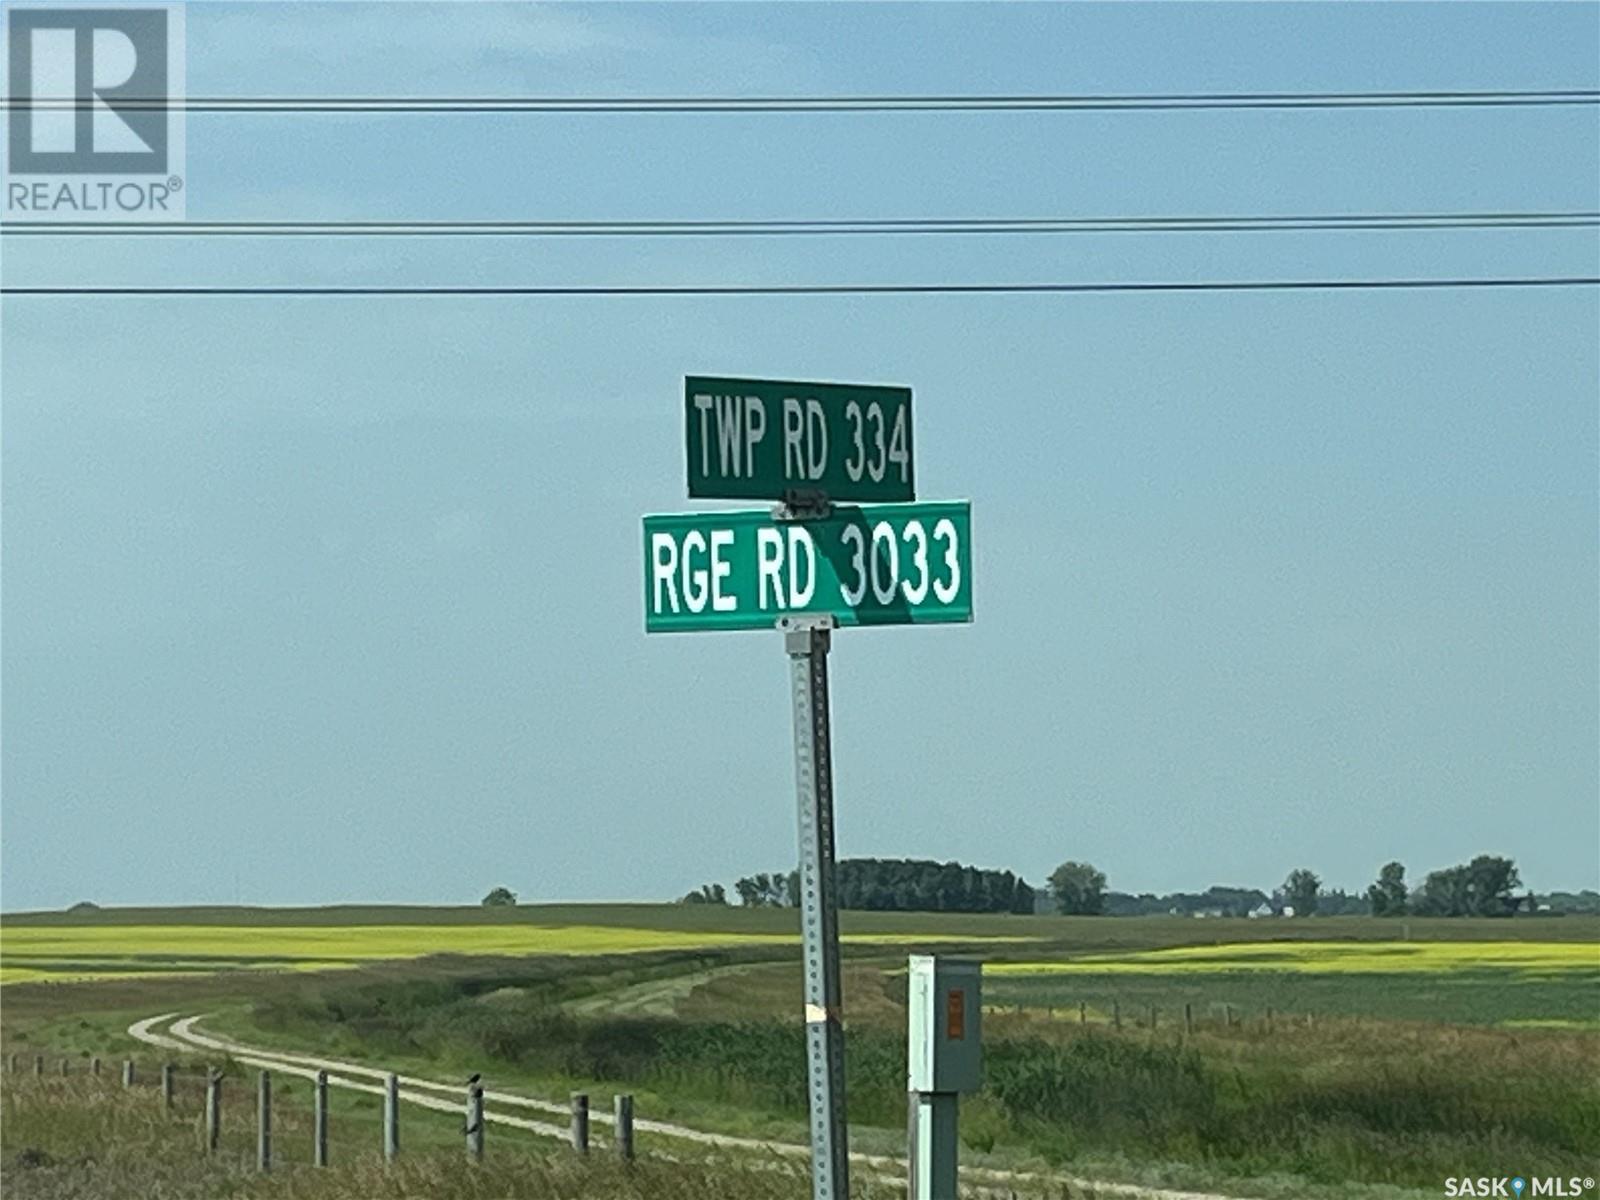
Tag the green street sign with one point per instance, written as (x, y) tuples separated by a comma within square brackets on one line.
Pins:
[(765, 439), (892, 564)]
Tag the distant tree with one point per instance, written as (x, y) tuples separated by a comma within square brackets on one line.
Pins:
[(1300, 891), (1125, 904), (1387, 897), (706, 893), (1482, 888), (1079, 889), (1444, 893), (1336, 902), (769, 890), (1023, 899), (763, 890), (1491, 882), (500, 897), (84, 906)]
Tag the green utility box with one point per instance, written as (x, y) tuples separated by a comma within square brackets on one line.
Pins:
[(944, 1025)]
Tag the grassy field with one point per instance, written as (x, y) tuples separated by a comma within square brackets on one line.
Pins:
[(1374, 1101), (1514, 983), (143, 943), (53, 952), (76, 1140), (1436, 1048), (37, 947)]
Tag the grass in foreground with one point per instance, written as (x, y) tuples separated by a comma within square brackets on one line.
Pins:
[(1393, 1103), (82, 1140)]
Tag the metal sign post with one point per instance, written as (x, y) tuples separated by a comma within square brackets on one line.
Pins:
[(806, 641), (808, 568)]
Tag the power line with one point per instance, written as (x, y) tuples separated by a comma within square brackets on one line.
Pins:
[(987, 226), (826, 289), (1088, 102)]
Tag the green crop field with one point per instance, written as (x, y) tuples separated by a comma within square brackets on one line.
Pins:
[(61, 953), (1326, 1057), (1514, 983), (1526, 958), (142, 942)]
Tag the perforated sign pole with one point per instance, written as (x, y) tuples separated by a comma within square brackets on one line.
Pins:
[(806, 641)]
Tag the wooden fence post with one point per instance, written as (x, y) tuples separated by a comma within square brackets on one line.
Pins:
[(168, 1072), (11, 1064), (94, 1065), (38, 1064), (580, 1122), (475, 1122), (264, 1122), (213, 1110), (1269, 1018), (391, 1117), (65, 1066), (127, 1072), (1116, 1014), (1188, 1018), (622, 1109), (319, 1121), (1227, 1015), (1083, 1013)]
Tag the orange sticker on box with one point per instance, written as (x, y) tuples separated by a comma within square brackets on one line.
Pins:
[(955, 1014)]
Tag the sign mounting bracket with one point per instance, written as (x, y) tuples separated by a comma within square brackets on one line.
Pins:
[(803, 504)]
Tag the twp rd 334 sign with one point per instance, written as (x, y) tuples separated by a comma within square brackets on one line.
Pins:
[(762, 439), (896, 564)]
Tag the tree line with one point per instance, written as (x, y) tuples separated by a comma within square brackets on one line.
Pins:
[(1487, 886), (888, 885)]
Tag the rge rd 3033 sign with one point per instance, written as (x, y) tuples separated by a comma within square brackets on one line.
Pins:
[(896, 564)]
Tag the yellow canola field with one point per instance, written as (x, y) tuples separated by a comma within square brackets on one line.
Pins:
[(1327, 958), (31, 953)]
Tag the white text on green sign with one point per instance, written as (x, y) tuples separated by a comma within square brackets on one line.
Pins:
[(761, 439), (897, 564)]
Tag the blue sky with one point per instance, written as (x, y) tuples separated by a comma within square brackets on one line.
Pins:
[(324, 600)]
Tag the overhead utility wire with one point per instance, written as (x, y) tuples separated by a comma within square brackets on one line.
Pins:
[(1092, 102), (826, 289), (759, 228)]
